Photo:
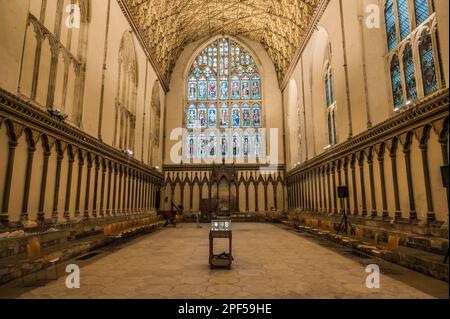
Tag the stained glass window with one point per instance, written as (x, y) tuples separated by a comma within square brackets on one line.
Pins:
[(421, 9), (223, 93), (427, 63), (389, 14), (410, 77), (403, 18), (396, 79)]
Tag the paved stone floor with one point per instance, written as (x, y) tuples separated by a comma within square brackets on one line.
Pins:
[(270, 262)]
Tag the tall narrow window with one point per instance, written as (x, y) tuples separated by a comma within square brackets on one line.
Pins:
[(422, 10), (410, 77), (396, 79), (403, 18), (329, 97), (125, 119), (390, 24), (428, 64)]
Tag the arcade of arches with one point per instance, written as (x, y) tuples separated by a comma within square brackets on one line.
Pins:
[(122, 110)]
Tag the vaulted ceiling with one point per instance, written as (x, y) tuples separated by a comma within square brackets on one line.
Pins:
[(167, 26)]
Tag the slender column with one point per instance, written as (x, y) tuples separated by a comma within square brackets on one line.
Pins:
[(28, 172), (108, 196), (88, 187), (324, 185), (129, 191), (124, 192), (330, 205), (339, 184), (319, 183), (393, 156), (426, 173), (59, 159), (407, 155), (363, 188), (372, 185), (333, 171), (114, 203), (385, 213), (118, 209), (79, 178), (41, 215), (97, 168), (69, 186), (355, 194), (102, 189), (347, 184)]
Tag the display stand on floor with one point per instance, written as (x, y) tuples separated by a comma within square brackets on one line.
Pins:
[(220, 229)]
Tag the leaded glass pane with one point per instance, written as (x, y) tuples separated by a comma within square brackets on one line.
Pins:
[(246, 121), (330, 79), (192, 89), (212, 145), (235, 116), (256, 116), (235, 144), (390, 24), (202, 89), (410, 77), (396, 79), (223, 121), (245, 144), (212, 91), (235, 94), (191, 116), (421, 9), (403, 17), (427, 63), (256, 87), (212, 116), (245, 91), (201, 149), (327, 92), (202, 116), (190, 145)]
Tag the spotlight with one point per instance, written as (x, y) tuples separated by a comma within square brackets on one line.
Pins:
[(129, 152)]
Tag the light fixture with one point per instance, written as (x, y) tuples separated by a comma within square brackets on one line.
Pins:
[(129, 152)]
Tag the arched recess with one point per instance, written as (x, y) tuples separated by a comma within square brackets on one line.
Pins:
[(321, 63), (293, 124), (155, 125), (126, 97)]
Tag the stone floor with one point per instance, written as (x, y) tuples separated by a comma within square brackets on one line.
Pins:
[(270, 262)]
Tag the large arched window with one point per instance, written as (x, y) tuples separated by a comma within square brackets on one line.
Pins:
[(414, 61), (125, 119), (224, 102)]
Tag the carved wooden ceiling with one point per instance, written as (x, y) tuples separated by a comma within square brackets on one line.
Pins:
[(167, 26)]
